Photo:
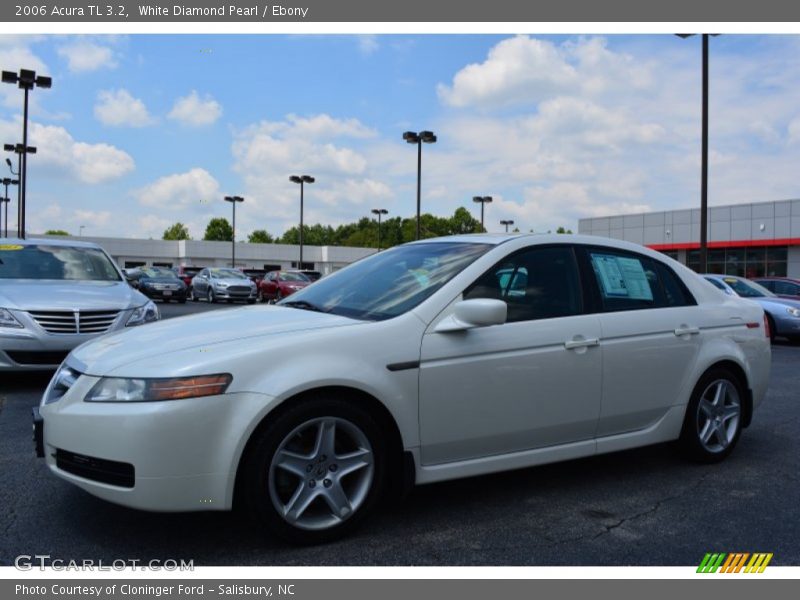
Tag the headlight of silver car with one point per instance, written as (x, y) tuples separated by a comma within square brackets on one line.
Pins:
[(795, 312), (8, 320), (144, 314), (118, 389)]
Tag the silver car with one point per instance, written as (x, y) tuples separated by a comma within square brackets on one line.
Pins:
[(219, 283), (783, 314), (57, 294)]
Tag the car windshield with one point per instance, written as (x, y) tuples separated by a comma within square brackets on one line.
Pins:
[(227, 274), (293, 277), (42, 261), (156, 272), (747, 289), (389, 283)]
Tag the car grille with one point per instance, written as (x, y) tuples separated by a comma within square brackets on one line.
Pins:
[(165, 286), (35, 357), (90, 321), (238, 289), (97, 469)]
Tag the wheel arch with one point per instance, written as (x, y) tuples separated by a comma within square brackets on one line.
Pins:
[(398, 459)]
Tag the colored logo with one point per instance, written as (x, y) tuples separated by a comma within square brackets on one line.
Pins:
[(735, 562)]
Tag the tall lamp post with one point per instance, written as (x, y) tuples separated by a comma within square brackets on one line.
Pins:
[(7, 181), (483, 200), (26, 80), (507, 222), (379, 212), (233, 200), (302, 180), (19, 150), (412, 137), (704, 158)]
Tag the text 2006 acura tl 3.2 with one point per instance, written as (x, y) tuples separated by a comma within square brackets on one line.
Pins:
[(434, 360)]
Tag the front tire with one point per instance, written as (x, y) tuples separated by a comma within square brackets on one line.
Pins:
[(772, 332), (316, 471), (713, 422), (211, 296)]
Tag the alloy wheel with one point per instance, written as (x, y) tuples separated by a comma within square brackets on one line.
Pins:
[(718, 414)]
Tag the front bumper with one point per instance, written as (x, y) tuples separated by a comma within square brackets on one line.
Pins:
[(183, 453), (226, 294), (31, 350), (154, 294)]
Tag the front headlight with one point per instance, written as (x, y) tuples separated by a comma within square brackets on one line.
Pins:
[(8, 320), (143, 314), (117, 389), (795, 312)]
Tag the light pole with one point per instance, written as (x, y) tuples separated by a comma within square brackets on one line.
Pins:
[(379, 212), (7, 181), (19, 150), (80, 230), (704, 158), (302, 180), (5, 201), (412, 137), (233, 200), (26, 80), (483, 200), (507, 222)]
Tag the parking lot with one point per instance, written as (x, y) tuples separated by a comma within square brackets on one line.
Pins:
[(641, 507)]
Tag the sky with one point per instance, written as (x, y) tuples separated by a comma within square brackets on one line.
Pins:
[(140, 131)]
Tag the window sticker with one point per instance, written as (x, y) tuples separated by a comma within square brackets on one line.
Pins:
[(622, 277), (10, 247)]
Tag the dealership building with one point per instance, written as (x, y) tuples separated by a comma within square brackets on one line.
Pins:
[(130, 253), (750, 240)]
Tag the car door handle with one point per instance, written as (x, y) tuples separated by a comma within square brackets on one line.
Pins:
[(687, 330), (581, 343)]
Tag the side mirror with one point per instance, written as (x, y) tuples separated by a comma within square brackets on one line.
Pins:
[(468, 314)]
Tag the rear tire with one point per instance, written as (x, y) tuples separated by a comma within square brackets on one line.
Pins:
[(316, 471), (713, 421)]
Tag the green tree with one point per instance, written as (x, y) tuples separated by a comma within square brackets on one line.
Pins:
[(176, 231), (562, 230), (260, 236), (463, 222), (56, 232), (218, 230)]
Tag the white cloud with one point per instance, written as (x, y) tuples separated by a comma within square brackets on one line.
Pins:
[(181, 191), (523, 69), (195, 111), (367, 44), (60, 153), (83, 56), (14, 55), (118, 108)]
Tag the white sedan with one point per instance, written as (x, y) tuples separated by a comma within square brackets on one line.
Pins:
[(439, 359)]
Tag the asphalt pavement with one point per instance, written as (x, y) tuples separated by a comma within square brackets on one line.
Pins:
[(639, 507)]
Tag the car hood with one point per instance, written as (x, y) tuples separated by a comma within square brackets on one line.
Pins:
[(777, 300), (34, 294), (100, 356), (232, 281)]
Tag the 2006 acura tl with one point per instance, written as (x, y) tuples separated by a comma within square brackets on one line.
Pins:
[(434, 360)]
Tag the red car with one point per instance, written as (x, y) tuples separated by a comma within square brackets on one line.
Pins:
[(785, 287), (186, 274), (279, 284)]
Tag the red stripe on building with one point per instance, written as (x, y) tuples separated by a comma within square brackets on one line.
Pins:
[(731, 244)]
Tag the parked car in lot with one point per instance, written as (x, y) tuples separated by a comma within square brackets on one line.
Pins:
[(255, 275), (186, 273), (413, 365), (214, 284), (783, 287), (158, 283), (783, 315), (276, 285), (57, 294), (310, 274)]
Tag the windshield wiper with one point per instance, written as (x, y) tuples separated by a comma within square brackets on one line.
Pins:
[(303, 305)]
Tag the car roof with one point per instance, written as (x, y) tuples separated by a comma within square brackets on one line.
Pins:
[(49, 242)]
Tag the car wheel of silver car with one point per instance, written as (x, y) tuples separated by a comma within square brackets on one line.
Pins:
[(192, 295), (713, 421), (772, 332), (316, 471), (210, 296)]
